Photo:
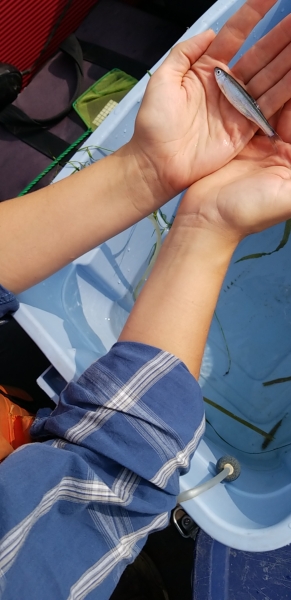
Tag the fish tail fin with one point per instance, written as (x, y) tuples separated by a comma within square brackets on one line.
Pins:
[(274, 139)]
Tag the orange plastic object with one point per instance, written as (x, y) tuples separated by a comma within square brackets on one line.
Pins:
[(15, 421)]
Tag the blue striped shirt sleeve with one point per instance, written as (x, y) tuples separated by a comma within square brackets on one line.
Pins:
[(77, 507)]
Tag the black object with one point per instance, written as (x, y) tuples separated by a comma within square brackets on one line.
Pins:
[(109, 59), (33, 132), (16, 121), (173, 556), (21, 362), (186, 527), (10, 84), (182, 12), (141, 580), (11, 77)]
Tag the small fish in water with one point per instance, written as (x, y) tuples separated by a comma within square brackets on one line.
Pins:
[(243, 102), (268, 440)]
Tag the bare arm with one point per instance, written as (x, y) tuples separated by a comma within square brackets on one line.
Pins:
[(176, 306), (251, 193), (170, 149), (47, 229)]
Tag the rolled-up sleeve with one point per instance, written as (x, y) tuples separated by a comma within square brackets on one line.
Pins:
[(105, 475), (8, 302)]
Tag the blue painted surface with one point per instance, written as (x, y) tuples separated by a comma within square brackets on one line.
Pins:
[(222, 573)]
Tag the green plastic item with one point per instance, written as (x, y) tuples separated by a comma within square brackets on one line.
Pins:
[(103, 96), (93, 107)]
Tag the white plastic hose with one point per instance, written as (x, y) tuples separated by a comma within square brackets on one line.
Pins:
[(207, 485)]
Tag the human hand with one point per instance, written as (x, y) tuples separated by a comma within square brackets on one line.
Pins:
[(249, 194), (186, 128)]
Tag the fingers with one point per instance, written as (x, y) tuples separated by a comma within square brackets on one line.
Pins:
[(284, 123), (185, 54), (272, 100), (271, 74), (267, 59), (230, 38)]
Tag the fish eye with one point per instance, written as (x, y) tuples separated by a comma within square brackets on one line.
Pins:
[(218, 71)]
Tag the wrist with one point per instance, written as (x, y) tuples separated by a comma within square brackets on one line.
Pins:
[(204, 243), (143, 182), (176, 305)]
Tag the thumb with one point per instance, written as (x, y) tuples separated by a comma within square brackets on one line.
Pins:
[(185, 54)]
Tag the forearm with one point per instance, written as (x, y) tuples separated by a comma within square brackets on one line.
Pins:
[(47, 229), (176, 305)]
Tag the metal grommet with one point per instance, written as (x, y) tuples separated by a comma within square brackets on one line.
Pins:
[(185, 525)]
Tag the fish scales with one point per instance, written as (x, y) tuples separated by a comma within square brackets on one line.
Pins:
[(243, 101)]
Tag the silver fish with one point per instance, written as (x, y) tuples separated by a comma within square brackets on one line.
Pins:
[(243, 102)]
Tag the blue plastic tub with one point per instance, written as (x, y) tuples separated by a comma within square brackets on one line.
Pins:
[(223, 573), (76, 315)]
